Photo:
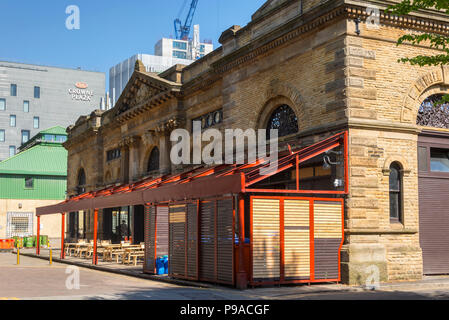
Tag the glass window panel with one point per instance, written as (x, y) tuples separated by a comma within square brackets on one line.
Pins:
[(439, 160), (25, 136), (2, 104), (12, 150), (394, 205), (2, 135), (26, 106), (36, 122), (13, 90), (29, 183), (394, 179), (37, 92), (12, 120)]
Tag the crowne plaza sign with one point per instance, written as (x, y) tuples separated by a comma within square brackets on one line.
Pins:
[(80, 92)]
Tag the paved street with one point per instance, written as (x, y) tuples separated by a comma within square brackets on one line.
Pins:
[(36, 279)]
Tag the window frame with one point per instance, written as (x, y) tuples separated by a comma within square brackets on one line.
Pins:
[(13, 85), (34, 122), (398, 192), (4, 104), (32, 183), (151, 158), (24, 103), (38, 96), (15, 151), (271, 117), (2, 135), (29, 135), (11, 117)]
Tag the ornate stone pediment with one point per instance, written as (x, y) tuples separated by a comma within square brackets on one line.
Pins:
[(144, 89)]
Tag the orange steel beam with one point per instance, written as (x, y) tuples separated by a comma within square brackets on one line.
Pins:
[(242, 277), (38, 246), (62, 235), (94, 256)]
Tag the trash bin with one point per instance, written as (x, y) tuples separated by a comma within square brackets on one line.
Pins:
[(44, 240), (165, 258), (160, 266), (28, 242)]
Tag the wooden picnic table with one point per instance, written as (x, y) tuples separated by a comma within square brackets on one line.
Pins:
[(134, 254), (119, 252)]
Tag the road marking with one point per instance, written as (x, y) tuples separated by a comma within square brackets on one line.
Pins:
[(9, 298)]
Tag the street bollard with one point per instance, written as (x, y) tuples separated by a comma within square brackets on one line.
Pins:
[(51, 253), (18, 255)]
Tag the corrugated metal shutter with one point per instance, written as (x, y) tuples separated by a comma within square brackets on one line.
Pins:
[(434, 224), (328, 234), (297, 239), (192, 240), (225, 241), (177, 240), (266, 239), (207, 241), (149, 228), (162, 231)]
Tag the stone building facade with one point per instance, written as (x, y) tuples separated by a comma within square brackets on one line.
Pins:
[(307, 55)]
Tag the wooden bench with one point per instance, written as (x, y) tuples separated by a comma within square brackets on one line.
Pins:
[(134, 254)]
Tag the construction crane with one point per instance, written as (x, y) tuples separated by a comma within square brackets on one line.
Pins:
[(182, 31)]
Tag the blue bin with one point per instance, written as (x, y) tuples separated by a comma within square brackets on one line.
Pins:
[(165, 259), (160, 266)]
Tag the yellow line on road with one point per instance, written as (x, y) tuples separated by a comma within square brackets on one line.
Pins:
[(9, 298)]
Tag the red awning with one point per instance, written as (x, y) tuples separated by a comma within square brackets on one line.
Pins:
[(198, 183)]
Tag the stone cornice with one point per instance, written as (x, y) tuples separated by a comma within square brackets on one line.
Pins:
[(383, 126), (305, 23)]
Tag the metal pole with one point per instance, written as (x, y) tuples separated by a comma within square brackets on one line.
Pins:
[(62, 235), (18, 253), (38, 242), (95, 258)]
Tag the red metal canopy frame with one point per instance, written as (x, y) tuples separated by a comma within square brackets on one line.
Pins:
[(199, 183)]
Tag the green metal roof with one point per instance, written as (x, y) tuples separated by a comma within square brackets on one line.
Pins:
[(47, 159), (55, 130)]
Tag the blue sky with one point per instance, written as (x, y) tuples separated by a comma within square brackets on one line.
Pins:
[(111, 30)]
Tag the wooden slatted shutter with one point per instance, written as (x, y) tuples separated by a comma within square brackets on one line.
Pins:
[(207, 241), (225, 241), (161, 231), (297, 239), (266, 239), (177, 259), (328, 234), (192, 241), (149, 229)]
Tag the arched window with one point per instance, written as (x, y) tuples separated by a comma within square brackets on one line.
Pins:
[(395, 192), (153, 160), (81, 182), (430, 114), (284, 120)]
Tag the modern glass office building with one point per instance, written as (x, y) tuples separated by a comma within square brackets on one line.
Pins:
[(33, 98)]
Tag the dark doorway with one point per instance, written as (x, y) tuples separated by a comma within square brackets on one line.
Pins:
[(138, 225)]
